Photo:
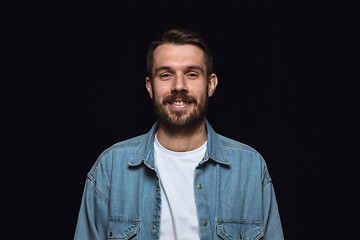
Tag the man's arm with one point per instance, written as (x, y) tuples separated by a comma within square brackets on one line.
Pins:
[(93, 215), (272, 223)]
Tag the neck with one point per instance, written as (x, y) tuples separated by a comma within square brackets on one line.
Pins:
[(182, 141)]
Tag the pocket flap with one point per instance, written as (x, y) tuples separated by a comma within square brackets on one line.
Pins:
[(239, 229), (122, 228)]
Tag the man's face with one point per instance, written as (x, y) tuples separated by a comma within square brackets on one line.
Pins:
[(179, 87)]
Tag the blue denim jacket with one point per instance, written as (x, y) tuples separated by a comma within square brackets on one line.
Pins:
[(233, 192)]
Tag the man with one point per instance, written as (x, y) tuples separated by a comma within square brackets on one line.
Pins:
[(181, 180)]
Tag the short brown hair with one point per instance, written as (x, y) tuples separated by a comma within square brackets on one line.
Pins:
[(180, 36)]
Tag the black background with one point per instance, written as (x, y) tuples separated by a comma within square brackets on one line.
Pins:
[(76, 85)]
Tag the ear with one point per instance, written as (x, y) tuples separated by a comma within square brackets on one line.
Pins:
[(213, 81), (148, 85)]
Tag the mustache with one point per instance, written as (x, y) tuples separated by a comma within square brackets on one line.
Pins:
[(179, 96)]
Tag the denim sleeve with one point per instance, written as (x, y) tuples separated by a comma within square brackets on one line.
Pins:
[(93, 215), (272, 222)]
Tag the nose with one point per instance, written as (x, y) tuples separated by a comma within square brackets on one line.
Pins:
[(179, 84)]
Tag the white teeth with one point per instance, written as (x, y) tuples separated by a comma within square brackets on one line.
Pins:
[(178, 103)]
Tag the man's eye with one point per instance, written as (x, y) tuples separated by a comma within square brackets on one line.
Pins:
[(192, 74), (165, 75)]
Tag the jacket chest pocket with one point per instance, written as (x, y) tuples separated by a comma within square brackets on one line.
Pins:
[(239, 229), (123, 228)]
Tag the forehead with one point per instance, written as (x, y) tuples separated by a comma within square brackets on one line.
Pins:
[(173, 55)]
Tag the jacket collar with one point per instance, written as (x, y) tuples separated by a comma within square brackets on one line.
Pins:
[(214, 148)]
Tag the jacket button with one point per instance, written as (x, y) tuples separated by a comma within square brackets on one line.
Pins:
[(154, 227), (204, 223), (199, 186)]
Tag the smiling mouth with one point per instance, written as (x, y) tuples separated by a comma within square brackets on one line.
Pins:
[(178, 103)]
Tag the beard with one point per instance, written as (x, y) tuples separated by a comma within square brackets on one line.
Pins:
[(181, 121)]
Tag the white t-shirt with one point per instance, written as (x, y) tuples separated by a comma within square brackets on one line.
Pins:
[(178, 211)]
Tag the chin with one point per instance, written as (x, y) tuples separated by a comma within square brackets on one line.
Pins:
[(180, 121), (183, 124)]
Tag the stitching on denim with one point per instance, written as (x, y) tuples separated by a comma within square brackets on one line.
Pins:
[(90, 177), (267, 181), (258, 223), (125, 219), (134, 157), (239, 221), (101, 195), (93, 169), (219, 161), (120, 145), (130, 235), (96, 189), (239, 146)]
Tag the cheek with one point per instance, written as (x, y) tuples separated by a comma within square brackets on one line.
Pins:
[(203, 91), (158, 95), (160, 89)]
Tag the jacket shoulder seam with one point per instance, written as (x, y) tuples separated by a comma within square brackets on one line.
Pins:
[(132, 143), (238, 145), (119, 145)]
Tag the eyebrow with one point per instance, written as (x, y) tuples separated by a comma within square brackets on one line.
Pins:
[(161, 68), (197, 67)]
